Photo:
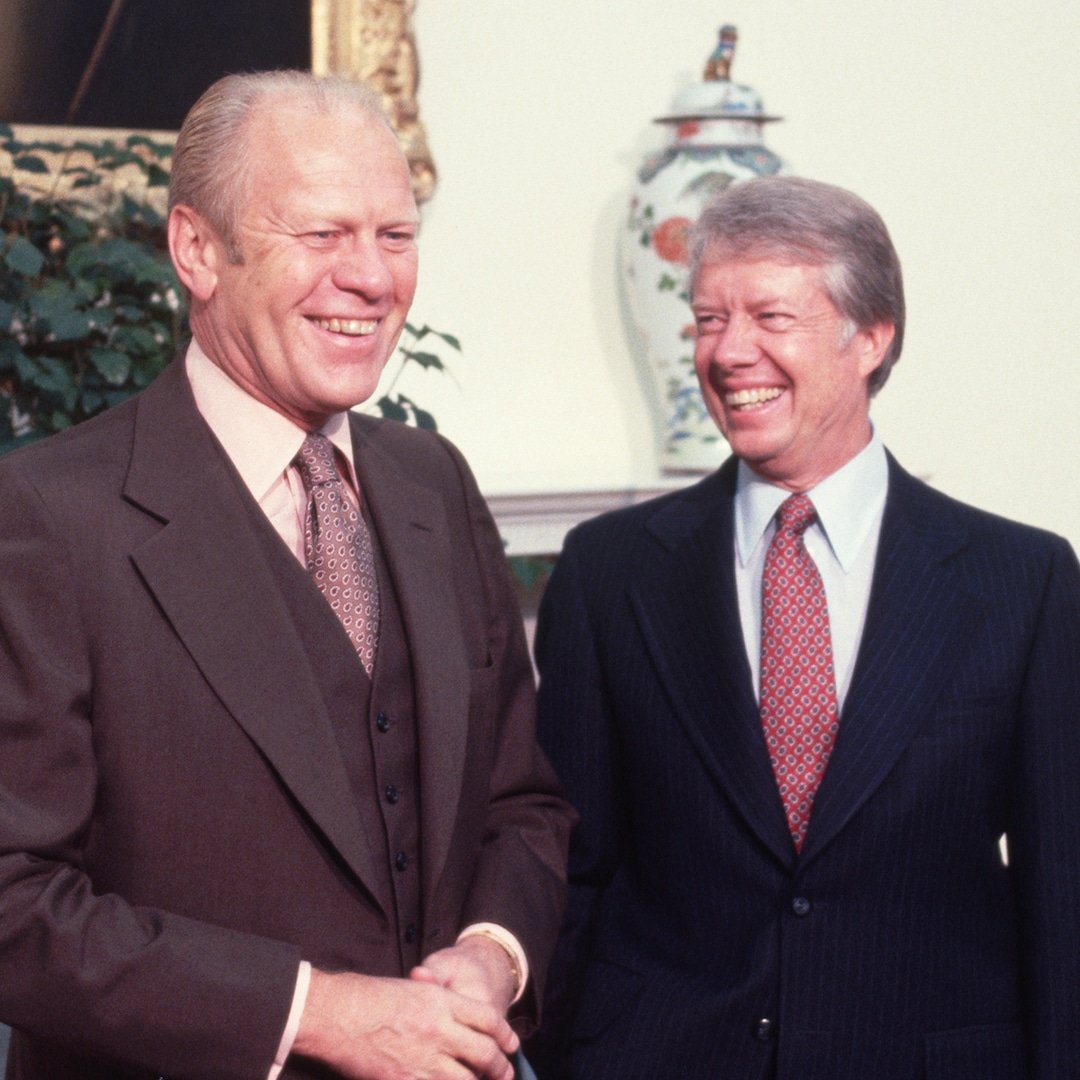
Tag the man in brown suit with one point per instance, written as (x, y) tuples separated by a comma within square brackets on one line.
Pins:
[(233, 845)]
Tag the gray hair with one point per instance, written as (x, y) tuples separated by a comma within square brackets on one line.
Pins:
[(815, 224), (211, 170)]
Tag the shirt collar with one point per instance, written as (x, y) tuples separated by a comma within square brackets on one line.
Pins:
[(260, 442), (849, 503)]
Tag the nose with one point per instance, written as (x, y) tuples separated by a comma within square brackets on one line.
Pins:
[(362, 268), (735, 345)]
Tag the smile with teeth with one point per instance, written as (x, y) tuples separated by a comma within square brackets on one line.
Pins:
[(349, 327), (742, 399)]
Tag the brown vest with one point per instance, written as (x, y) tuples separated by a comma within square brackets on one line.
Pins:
[(374, 721)]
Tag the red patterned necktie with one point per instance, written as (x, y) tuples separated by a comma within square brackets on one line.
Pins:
[(799, 712), (337, 547)]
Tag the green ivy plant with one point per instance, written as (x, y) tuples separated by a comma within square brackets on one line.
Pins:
[(90, 308), (399, 407)]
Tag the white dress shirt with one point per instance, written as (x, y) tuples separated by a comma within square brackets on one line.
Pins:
[(842, 542)]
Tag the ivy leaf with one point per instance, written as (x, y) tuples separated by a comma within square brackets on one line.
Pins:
[(151, 217), (30, 163), (102, 317), (423, 331), (424, 419), (424, 359), (156, 176), (49, 146), (158, 149), (57, 305), (450, 340), (69, 325), (144, 374), (25, 368), (391, 410), (110, 255), (113, 365), (154, 272), (10, 357), (136, 340), (113, 158), (23, 257), (412, 411), (56, 380)]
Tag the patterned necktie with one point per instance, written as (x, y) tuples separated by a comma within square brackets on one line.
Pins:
[(337, 547), (799, 712)]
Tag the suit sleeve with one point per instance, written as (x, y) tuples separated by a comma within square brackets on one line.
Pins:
[(1044, 836), (519, 881), (574, 723), (89, 973)]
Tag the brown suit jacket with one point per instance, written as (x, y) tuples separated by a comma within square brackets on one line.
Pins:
[(177, 826)]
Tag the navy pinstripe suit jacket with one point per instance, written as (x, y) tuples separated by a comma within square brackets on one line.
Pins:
[(898, 945)]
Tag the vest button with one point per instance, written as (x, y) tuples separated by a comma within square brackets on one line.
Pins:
[(410, 933), (401, 860), (763, 1029), (801, 906), (382, 722), (392, 794)]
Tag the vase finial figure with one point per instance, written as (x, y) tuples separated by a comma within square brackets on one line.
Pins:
[(718, 66)]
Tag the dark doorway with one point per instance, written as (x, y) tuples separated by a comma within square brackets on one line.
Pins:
[(136, 63)]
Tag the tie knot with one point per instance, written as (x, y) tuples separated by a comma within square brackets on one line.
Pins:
[(316, 461), (796, 514)]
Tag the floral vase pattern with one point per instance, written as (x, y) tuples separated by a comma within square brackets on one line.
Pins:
[(717, 141)]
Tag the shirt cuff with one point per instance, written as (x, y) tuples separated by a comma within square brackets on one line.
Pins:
[(516, 954), (292, 1025)]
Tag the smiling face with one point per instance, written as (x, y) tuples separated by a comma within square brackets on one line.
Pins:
[(307, 321), (782, 373)]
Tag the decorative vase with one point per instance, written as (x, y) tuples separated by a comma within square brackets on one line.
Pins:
[(717, 140)]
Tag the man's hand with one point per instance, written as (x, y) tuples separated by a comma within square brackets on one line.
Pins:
[(476, 967), (369, 1028)]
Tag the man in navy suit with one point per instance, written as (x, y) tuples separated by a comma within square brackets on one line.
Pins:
[(854, 918)]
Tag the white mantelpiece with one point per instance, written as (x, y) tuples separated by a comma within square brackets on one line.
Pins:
[(536, 524)]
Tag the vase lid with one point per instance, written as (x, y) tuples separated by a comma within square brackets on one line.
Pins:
[(716, 97)]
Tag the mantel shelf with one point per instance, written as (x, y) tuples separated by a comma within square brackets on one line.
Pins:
[(535, 524)]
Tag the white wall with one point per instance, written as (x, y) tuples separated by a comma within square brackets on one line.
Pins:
[(957, 119)]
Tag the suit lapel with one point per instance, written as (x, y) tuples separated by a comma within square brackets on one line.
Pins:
[(686, 605), (914, 633), (413, 530), (207, 572)]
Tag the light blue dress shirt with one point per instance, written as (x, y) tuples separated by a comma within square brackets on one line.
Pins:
[(842, 542)]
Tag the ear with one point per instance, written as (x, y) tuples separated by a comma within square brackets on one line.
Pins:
[(872, 344), (196, 251)]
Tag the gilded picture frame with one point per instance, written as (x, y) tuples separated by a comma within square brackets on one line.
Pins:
[(373, 40)]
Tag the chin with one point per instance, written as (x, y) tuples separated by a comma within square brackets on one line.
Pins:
[(352, 390)]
